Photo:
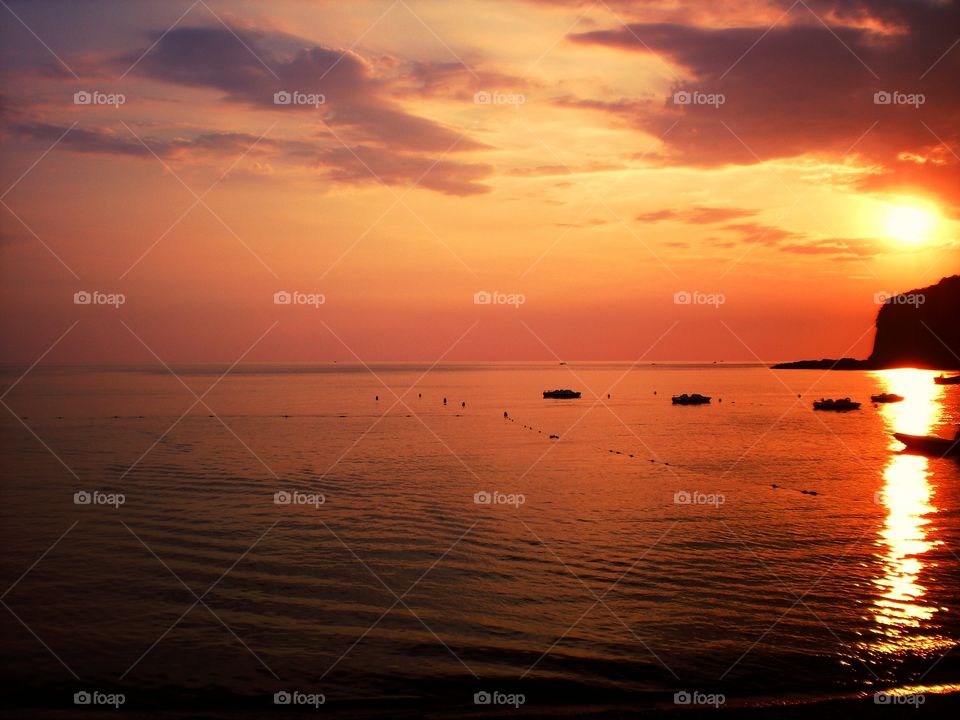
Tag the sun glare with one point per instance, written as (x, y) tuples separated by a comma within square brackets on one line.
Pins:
[(909, 223)]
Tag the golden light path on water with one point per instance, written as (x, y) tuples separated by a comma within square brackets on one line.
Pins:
[(908, 499)]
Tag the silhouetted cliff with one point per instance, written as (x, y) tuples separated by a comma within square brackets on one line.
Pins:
[(919, 328)]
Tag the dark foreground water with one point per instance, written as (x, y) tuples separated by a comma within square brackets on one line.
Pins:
[(643, 553)]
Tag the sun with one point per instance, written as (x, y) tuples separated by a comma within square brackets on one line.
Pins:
[(909, 223)]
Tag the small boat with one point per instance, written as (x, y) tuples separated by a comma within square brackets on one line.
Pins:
[(561, 394), (887, 398), (841, 405), (695, 399), (944, 380), (930, 444)]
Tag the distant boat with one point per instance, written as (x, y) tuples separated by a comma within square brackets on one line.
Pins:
[(841, 405), (561, 394), (944, 380), (886, 398), (695, 399), (930, 444)]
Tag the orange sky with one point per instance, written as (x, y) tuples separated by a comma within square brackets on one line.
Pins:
[(586, 193)]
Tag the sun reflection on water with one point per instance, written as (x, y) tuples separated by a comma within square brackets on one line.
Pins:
[(908, 498)]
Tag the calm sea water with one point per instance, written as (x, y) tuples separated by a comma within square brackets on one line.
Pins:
[(650, 549)]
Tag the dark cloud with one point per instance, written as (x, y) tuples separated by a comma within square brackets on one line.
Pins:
[(357, 165), (366, 165), (123, 142), (357, 99), (801, 88)]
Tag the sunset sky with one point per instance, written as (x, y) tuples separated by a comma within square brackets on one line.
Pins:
[(787, 187)]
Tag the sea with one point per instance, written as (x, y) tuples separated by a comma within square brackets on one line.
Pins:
[(407, 540)]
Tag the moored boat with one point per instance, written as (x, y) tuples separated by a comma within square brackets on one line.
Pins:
[(695, 399), (886, 398), (945, 380), (930, 444), (841, 405), (561, 394)]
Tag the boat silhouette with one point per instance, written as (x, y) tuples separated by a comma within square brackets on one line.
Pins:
[(930, 444), (561, 394), (695, 399), (841, 405)]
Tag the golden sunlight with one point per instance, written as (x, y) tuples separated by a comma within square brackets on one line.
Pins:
[(909, 223), (907, 497)]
